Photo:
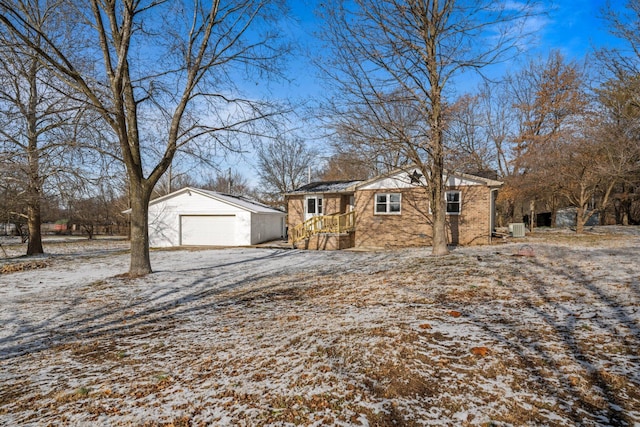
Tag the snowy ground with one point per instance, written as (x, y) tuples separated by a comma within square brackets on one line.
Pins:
[(542, 331)]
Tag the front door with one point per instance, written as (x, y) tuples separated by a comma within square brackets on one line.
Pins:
[(312, 206)]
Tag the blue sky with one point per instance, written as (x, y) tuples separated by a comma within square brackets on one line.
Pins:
[(574, 27)]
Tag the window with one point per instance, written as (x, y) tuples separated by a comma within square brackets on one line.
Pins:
[(314, 206), (388, 203), (453, 202)]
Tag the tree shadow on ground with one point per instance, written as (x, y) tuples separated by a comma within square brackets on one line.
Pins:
[(583, 384), (121, 317)]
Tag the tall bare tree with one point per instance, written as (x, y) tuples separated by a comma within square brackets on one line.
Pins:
[(38, 123), (283, 165), (403, 55), (551, 105), (624, 23), (171, 66), (346, 164), (618, 130), (499, 122), (619, 94), (469, 146)]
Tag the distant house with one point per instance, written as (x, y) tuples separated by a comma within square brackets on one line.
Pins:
[(195, 217), (389, 211)]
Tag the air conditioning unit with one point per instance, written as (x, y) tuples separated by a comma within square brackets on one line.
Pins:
[(516, 229)]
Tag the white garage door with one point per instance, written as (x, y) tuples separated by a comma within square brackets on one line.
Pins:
[(215, 230)]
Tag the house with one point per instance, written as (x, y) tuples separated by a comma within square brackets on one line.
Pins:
[(195, 217), (389, 211)]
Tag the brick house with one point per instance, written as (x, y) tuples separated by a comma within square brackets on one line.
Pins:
[(389, 211)]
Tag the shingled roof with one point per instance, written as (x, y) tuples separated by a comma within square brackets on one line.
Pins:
[(326, 187)]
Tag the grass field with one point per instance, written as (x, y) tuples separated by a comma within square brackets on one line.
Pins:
[(539, 331)]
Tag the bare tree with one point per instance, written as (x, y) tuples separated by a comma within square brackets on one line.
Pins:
[(393, 56), (376, 132), (38, 124), (469, 147), (88, 214), (347, 164), (500, 122), (174, 179), (229, 182), (619, 132), (551, 106), (10, 202), (579, 173), (168, 66), (624, 23), (283, 165), (619, 94)]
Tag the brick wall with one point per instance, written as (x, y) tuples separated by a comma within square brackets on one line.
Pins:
[(295, 211), (413, 226), (327, 242), (331, 204)]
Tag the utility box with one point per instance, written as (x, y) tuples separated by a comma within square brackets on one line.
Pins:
[(516, 229)]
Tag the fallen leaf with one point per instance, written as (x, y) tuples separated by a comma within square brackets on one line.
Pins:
[(574, 380), (480, 351)]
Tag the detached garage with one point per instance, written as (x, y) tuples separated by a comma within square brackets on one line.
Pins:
[(195, 217)]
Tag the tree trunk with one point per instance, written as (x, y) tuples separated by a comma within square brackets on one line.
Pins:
[(554, 211), (33, 157), (625, 215), (580, 220), (139, 196), (532, 214), (438, 204), (34, 247), (438, 211), (439, 226)]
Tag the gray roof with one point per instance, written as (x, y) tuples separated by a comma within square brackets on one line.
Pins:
[(242, 202), (326, 187), (239, 201)]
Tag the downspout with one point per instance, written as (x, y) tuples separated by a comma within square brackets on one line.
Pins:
[(492, 212)]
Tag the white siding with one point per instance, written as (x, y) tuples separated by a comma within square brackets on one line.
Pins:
[(243, 228), (390, 183), (164, 217), (401, 180), (167, 216), (456, 181), (266, 227)]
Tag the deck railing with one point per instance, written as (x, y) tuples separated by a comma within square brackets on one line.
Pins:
[(339, 223)]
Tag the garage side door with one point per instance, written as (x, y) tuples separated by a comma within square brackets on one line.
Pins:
[(206, 230)]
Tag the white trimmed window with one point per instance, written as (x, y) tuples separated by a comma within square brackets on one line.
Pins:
[(388, 203), (453, 202), (314, 205)]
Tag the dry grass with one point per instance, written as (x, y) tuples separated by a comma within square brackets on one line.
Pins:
[(22, 266), (477, 337)]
